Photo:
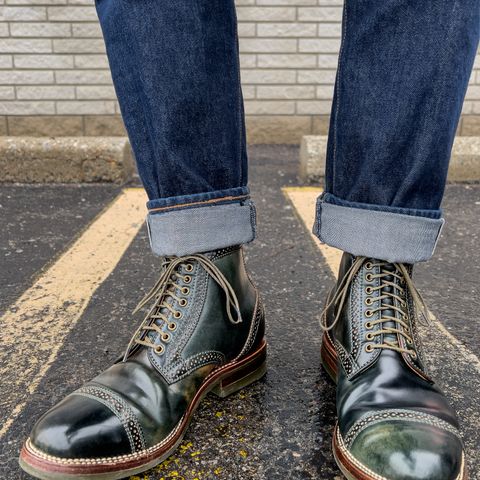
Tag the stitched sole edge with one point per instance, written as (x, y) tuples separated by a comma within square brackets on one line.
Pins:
[(47, 467)]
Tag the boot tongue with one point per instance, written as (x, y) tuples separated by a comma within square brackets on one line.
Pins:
[(389, 337), (161, 309)]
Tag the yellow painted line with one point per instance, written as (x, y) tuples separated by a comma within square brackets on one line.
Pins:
[(288, 190), (304, 200), (35, 326)]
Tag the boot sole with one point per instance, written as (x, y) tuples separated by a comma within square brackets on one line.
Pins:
[(351, 468), (222, 382)]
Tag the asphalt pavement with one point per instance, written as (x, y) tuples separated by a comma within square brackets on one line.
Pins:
[(281, 427)]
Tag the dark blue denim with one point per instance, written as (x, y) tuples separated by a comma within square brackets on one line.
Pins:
[(402, 75), (403, 71), (175, 68)]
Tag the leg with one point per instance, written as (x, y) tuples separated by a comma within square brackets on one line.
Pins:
[(402, 77), (176, 71), (175, 68)]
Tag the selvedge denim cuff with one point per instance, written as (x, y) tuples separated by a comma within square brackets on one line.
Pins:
[(203, 223), (377, 232)]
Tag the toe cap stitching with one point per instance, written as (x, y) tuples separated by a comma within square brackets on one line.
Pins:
[(374, 418), (122, 411)]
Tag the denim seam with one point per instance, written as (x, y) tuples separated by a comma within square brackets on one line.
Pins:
[(338, 79), (253, 220), (200, 203), (413, 212), (197, 197), (240, 98)]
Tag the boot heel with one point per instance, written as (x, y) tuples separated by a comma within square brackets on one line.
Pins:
[(329, 357), (244, 375)]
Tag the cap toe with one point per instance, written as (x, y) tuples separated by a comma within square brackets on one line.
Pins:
[(409, 451), (80, 427)]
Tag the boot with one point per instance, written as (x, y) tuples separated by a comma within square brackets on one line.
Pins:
[(393, 421), (203, 333)]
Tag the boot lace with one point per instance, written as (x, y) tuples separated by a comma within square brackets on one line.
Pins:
[(166, 288), (391, 326)]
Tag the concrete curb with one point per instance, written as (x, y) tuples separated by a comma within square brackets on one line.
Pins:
[(464, 165), (65, 160)]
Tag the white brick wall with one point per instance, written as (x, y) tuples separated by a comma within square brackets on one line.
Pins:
[(52, 59)]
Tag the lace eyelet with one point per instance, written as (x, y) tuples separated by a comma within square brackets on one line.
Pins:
[(172, 326), (368, 266), (369, 336), (177, 314), (369, 348), (187, 278), (369, 325), (404, 317), (189, 267), (403, 303), (368, 290), (368, 277), (159, 349), (413, 354), (183, 302), (185, 290), (368, 301), (166, 337), (368, 313)]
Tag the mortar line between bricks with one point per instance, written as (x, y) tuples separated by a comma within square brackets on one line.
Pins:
[(36, 326), (303, 200)]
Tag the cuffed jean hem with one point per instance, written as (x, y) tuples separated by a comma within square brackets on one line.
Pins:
[(383, 234), (202, 228), (194, 200)]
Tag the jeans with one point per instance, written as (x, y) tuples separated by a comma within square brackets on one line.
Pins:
[(403, 71)]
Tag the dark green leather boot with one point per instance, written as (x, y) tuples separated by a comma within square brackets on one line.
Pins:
[(204, 333), (393, 422)]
